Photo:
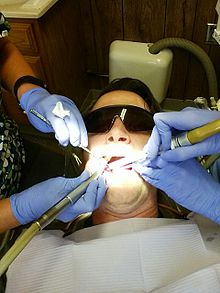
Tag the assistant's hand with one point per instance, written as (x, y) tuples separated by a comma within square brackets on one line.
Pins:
[(30, 204), (187, 119), (70, 129), (188, 183)]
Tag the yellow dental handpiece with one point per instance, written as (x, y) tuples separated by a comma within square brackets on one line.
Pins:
[(196, 135)]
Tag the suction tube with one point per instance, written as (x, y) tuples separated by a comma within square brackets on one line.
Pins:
[(42, 222), (198, 52)]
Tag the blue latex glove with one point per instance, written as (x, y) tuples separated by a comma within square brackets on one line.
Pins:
[(187, 182), (186, 119), (30, 204), (69, 129)]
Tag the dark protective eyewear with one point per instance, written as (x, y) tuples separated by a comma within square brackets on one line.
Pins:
[(134, 118)]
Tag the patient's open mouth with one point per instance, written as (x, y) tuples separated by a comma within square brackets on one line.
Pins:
[(110, 168), (113, 159)]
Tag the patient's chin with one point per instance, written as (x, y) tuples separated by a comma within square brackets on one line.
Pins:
[(126, 191), (122, 178)]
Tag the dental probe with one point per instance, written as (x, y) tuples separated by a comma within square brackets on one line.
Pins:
[(43, 221), (196, 135)]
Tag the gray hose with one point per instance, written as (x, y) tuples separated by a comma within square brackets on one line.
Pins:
[(199, 53)]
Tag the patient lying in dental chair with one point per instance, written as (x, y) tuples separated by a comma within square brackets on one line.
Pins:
[(139, 241)]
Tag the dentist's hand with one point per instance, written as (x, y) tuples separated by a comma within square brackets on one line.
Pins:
[(188, 183), (187, 119), (70, 129), (30, 204)]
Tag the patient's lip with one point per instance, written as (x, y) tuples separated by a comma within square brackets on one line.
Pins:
[(112, 159), (115, 158)]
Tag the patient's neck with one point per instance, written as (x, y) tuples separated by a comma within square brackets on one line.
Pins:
[(148, 209)]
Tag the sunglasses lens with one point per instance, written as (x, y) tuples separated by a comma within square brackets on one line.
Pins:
[(139, 123), (97, 122), (134, 119)]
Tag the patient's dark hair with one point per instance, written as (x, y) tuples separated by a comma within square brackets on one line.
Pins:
[(135, 86), (126, 84)]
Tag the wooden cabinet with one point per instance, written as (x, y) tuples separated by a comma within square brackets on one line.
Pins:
[(52, 45), (23, 34)]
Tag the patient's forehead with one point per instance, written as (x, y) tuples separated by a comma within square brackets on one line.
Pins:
[(118, 97)]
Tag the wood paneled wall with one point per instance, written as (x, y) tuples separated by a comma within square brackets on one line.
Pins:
[(103, 21)]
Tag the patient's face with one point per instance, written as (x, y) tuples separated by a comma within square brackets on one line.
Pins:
[(128, 195)]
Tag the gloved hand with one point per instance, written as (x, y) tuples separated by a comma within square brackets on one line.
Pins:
[(187, 119), (187, 182), (30, 204), (71, 128)]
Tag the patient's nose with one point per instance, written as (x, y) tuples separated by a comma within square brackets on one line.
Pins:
[(118, 133)]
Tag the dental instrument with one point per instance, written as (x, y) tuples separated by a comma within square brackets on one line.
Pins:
[(92, 154), (196, 135), (41, 117), (43, 221), (87, 150)]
